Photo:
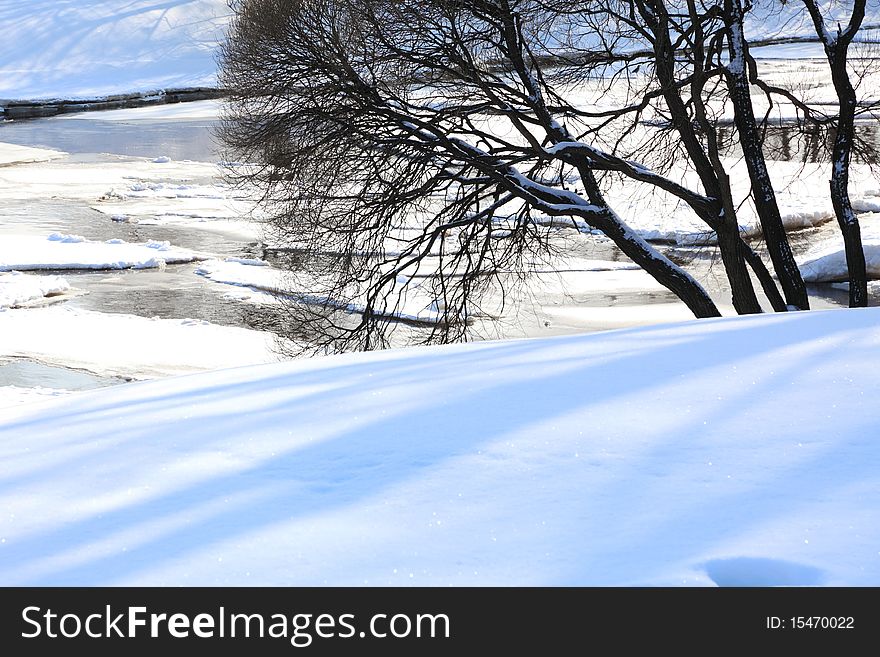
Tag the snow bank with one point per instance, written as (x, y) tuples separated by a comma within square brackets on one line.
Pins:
[(13, 154), (830, 266), (732, 452), (93, 48), (59, 251), (826, 262), (252, 281), (774, 20), (17, 289), (109, 180), (416, 306), (158, 202), (166, 190), (11, 396), (243, 272), (204, 110), (137, 190), (110, 344), (802, 194), (258, 282), (172, 201)]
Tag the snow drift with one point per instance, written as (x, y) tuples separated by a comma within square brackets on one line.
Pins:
[(732, 452)]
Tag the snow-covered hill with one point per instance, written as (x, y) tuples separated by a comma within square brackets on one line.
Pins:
[(733, 452), (741, 451), (92, 48)]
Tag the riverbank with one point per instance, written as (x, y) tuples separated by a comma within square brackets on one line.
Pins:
[(41, 108), (113, 224)]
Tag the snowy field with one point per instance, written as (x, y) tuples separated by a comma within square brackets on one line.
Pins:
[(94, 48), (731, 452), (112, 344), (739, 451)]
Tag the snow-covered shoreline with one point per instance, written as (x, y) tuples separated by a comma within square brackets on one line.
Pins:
[(40, 108), (122, 345)]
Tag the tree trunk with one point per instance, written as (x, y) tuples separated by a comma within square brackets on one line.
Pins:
[(766, 279), (762, 187), (846, 218), (836, 50), (666, 272), (726, 226)]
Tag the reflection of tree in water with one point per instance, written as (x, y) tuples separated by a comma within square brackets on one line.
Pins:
[(838, 294), (808, 143)]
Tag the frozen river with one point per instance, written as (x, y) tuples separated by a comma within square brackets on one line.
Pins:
[(173, 292), (60, 197), (179, 139), (160, 177)]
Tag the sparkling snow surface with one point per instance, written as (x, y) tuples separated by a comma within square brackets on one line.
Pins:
[(733, 452), (92, 48)]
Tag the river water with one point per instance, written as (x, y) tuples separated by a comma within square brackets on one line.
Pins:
[(177, 293), (790, 143), (179, 139), (174, 293)]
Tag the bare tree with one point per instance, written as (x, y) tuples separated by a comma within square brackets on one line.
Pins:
[(390, 136), (692, 58), (762, 186), (435, 150), (836, 43), (682, 46)]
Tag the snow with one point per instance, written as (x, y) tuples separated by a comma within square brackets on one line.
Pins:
[(146, 197), (137, 190), (18, 289), (115, 177), (831, 266), (802, 194), (111, 344), (826, 262), (12, 396), (129, 189), (734, 451), (801, 188), (11, 154), (256, 281), (789, 51), (602, 318), (791, 19), (727, 452), (93, 48), (203, 110), (262, 282), (62, 252)]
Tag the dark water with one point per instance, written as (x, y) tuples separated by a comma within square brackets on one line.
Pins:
[(178, 293), (792, 143), (174, 293), (178, 139)]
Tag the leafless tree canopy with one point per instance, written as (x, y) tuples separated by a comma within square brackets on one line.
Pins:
[(424, 154)]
